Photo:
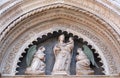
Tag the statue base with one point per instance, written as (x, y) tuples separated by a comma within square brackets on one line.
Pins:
[(61, 76), (34, 72), (85, 72), (60, 73)]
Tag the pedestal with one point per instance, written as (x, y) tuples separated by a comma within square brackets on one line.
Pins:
[(60, 76), (59, 73)]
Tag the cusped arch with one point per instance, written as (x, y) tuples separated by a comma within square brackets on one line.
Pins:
[(48, 41)]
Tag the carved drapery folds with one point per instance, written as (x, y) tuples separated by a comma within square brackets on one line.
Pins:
[(36, 66), (83, 64), (63, 55)]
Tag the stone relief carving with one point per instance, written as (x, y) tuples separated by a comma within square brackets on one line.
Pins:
[(83, 64), (37, 66), (94, 38), (91, 39), (63, 55), (62, 52), (8, 69)]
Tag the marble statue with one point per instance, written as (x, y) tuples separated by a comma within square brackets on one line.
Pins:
[(63, 54), (83, 64), (37, 66)]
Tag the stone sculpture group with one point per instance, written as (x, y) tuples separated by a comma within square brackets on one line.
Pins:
[(37, 65), (63, 54)]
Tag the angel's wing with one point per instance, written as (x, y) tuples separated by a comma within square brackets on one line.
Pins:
[(89, 54), (30, 53)]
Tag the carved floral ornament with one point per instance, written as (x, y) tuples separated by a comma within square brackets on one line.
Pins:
[(10, 63)]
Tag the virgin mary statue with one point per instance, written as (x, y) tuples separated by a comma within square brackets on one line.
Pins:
[(63, 53)]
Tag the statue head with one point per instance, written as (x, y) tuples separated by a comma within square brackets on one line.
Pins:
[(61, 38), (79, 50), (71, 39), (42, 48)]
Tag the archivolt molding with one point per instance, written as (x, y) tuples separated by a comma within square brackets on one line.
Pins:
[(16, 33), (65, 6), (63, 16), (89, 5), (24, 41)]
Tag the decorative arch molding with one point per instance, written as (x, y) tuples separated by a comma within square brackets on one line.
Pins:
[(48, 41), (60, 16), (20, 46), (21, 9)]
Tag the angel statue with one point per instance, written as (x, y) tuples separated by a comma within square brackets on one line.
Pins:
[(35, 61), (83, 61), (63, 53)]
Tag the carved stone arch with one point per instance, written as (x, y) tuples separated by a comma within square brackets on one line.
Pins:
[(83, 22), (26, 40), (12, 70), (48, 41)]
